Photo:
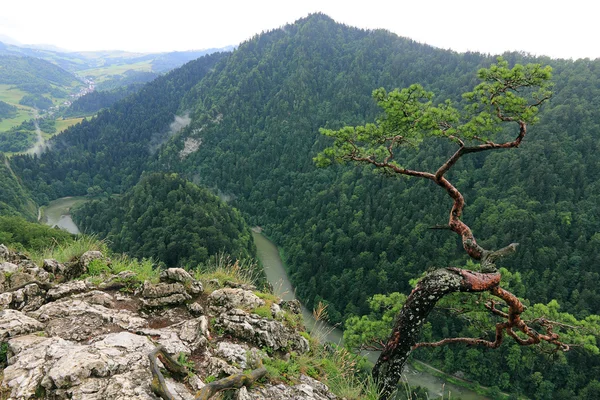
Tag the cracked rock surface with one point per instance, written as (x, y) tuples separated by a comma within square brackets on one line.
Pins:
[(74, 339)]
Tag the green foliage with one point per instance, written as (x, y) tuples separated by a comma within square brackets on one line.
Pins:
[(343, 372), (183, 359), (99, 99), (117, 140), (3, 354), (223, 268), (463, 315), (68, 250), (377, 325), (22, 137), (36, 101), (18, 138), (21, 234), (98, 268), (348, 234), (263, 311), (166, 218), (129, 79), (7, 110), (15, 200), (504, 95), (32, 71)]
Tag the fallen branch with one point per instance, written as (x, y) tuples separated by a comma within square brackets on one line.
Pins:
[(159, 386)]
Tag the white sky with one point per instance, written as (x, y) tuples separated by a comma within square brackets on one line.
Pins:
[(567, 29)]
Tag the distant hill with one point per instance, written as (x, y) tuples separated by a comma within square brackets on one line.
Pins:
[(84, 60), (26, 72), (30, 87), (252, 120)]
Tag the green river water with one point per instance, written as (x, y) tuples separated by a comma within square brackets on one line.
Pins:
[(57, 213), (276, 274)]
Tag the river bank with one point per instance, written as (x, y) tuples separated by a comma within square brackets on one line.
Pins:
[(276, 274), (57, 213)]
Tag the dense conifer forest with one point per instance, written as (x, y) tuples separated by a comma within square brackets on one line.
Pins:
[(345, 232), (170, 220)]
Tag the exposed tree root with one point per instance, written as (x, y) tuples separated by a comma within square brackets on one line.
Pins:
[(159, 386)]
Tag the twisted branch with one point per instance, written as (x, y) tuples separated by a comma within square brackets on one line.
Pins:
[(159, 386)]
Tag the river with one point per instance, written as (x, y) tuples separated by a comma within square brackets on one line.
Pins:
[(57, 213), (269, 256)]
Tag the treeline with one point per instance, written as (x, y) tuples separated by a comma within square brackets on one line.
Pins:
[(129, 77), (99, 99), (14, 199), (33, 72), (7, 110), (23, 235), (347, 233), (37, 101), (113, 148), (22, 137), (169, 219)]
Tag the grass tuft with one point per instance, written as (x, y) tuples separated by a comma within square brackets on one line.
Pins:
[(63, 252), (224, 268)]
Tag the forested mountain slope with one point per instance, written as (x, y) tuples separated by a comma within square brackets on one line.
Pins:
[(113, 149), (347, 233), (170, 220), (26, 72), (255, 122), (14, 199)]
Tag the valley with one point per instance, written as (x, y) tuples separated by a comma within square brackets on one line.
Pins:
[(58, 213), (355, 238)]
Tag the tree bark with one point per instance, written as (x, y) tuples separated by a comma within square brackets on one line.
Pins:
[(407, 328)]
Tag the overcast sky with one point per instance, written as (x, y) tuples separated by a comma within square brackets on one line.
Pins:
[(567, 29)]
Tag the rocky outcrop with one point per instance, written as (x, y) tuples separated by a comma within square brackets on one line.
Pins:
[(308, 389), (164, 294), (260, 331), (82, 340), (226, 299)]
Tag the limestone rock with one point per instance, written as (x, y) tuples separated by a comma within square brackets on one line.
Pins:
[(20, 279), (76, 319), (67, 289), (164, 294), (8, 268), (5, 300), (184, 337), (292, 306), (218, 367), (173, 299), (237, 354), (154, 291), (261, 331), (118, 281), (276, 310), (229, 298), (307, 389), (114, 367), (4, 252), (14, 323), (194, 308), (237, 285), (89, 256), (53, 266), (176, 275)]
